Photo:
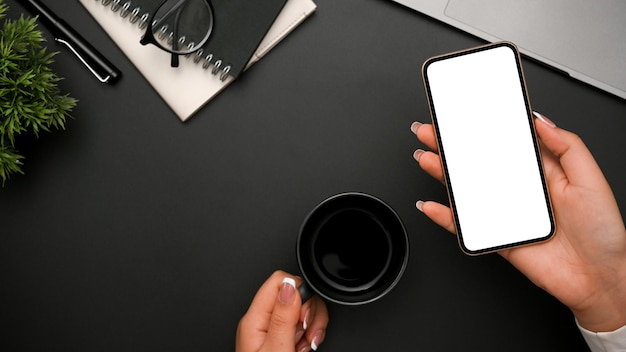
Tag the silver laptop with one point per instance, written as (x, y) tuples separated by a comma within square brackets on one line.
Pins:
[(584, 38)]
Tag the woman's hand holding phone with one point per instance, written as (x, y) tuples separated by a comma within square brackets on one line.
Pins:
[(584, 264)]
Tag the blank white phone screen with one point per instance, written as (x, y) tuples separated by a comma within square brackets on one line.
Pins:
[(491, 160)]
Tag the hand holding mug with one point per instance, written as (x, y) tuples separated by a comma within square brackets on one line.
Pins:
[(277, 320), (352, 249)]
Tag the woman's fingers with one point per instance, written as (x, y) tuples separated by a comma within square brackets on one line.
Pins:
[(314, 317), (273, 317), (430, 162), (438, 213), (426, 134)]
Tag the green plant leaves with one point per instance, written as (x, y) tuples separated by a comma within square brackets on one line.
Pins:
[(30, 100)]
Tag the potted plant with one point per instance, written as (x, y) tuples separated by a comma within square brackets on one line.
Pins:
[(30, 99)]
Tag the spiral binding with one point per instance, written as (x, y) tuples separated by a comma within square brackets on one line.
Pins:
[(140, 17)]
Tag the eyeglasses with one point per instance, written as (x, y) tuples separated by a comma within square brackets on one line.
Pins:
[(180, 27)]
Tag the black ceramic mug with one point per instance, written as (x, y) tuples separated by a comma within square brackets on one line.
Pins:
[(352, 249)]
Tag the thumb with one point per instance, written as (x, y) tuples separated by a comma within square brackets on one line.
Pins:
[(281, 335), (575, 159)]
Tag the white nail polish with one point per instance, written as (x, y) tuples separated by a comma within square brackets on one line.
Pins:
[(289, 281), (317, 339), (544, 119), (418, 154), (415, 125), (287, 291), (305, 324), (419, 205)]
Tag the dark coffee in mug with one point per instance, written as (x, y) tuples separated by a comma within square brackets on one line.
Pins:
[(352, 248)]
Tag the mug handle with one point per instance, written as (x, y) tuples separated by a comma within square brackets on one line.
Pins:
[(306, 291)]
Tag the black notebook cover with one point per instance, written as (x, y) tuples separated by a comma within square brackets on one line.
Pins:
[(239, 27)]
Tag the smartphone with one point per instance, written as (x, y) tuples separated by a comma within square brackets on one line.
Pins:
[(488, 147)]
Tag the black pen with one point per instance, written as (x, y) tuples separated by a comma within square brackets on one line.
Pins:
[(104, 70)]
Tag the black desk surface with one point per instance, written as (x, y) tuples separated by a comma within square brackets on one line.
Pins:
[(132, 231)]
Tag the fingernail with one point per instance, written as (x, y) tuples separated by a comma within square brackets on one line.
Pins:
[(317, 340), (418, 154), (305, 323), (419, 205), (299, 335), (544, 119), (287, 291), (415, 125)]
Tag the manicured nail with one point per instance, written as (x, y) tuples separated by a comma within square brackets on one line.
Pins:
[(419, 205), (415, 126), (544, 119), (418, 154), (305, 323), (317, 339), (299, 335), (287, 291)]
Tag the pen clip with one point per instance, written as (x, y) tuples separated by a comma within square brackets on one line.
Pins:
[(94, 72)]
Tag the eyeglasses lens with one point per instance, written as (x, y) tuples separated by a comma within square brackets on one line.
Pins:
[(182, 26)]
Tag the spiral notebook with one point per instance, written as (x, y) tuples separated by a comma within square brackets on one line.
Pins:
[(196, 81)]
